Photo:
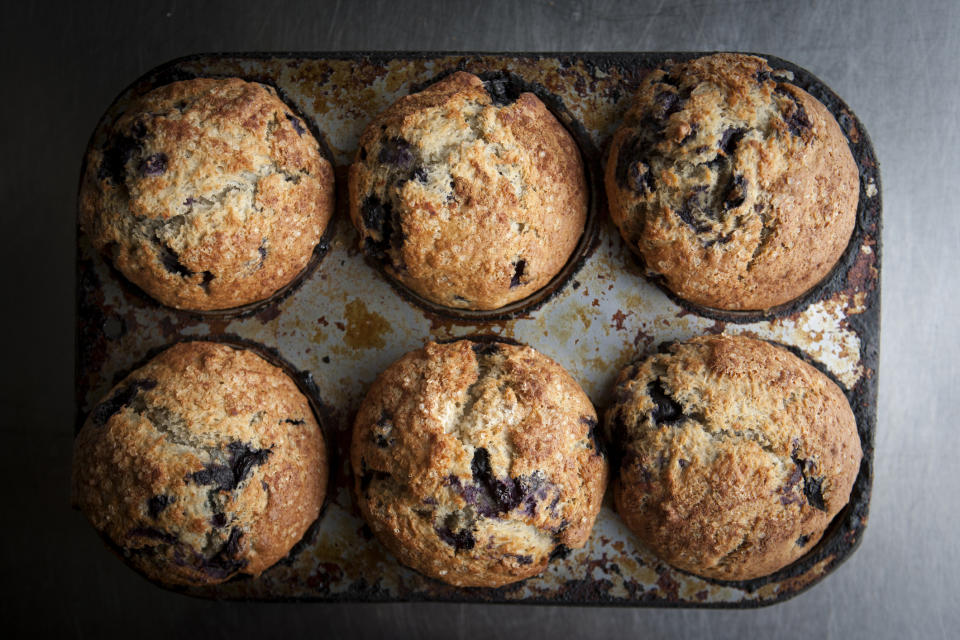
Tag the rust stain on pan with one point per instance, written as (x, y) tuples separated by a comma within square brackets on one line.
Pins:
[(344, 323)]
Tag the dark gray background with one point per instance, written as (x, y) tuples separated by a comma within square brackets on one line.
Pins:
[(895, 63)]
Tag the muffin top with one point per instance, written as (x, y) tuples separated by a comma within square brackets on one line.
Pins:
[(735, 455), (205, 463), (207, 193), (470, 194), (737, 188), (475, 463)]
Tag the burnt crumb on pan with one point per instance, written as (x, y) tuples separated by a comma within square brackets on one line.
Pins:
[(102, 413), (485, 348), (502, 89), (241, 460), (297, 125), (156, 504), (518, 269), (666, 410), (559, 551)]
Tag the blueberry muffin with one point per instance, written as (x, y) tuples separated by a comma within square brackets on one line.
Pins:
[(734, 186), (476, 463), (207, 193), (468, 193), (205, 463), (735, 455)]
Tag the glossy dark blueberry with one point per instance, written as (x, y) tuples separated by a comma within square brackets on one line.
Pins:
[(462, 540), (171, 261), (802, 541), (522, 559), (559, 551), (494, 496), (797, 121), (518, 268), (736, 192), (121, 398), (813, 490), (485, 348), (226, 477), (397, 152), (379, 220), (667, 410), (666, 103), (154, 165), (219, 520), (686, 214), (812, 485), (502, 90), (158, 503), (297, 125), (729, 140), (225, 562)]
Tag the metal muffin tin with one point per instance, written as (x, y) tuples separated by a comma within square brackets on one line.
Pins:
[(343, 323)]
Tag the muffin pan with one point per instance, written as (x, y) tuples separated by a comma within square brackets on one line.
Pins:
[(343, 323)]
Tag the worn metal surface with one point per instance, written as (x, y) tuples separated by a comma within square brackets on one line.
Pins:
[(344, 323)]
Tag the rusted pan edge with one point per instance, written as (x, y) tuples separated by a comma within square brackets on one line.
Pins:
[(603, 573)]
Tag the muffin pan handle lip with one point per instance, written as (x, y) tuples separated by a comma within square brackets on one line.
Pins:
[(859, 276)]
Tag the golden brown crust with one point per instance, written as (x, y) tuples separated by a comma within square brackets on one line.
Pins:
[(204, 463), (736, 455), (473, 462), (467, 203), (739, 190), (207, 193)]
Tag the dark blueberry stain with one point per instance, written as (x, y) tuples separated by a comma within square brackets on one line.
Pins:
[(379, 220), (502, 90), (633, 170), (518, 268), (559, 551), (367, 476), (219, 520), (153, 534), (262, 250), (763, 76), (363, 153), (522, 559), (420, 174), (666, 103), (118, 152), (207, 279), (736, 192), (691, 135), (154, 165), (397, 152), (225, 562), (158, 503), (295, 421), (121, 398), (802, 541), (485, 348), (683, 463), (797, 121), (494, 496), (171, 261), (297, 125), (382, 430), (593, 434), (666, 411), (812, 485), (226, 477)]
